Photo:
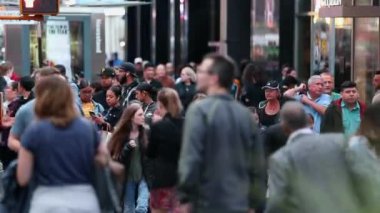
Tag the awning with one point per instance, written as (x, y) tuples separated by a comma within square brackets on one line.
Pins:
[(104, 3), (349, 11)]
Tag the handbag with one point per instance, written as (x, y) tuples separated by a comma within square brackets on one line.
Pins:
[(14, 198), (105, 185)]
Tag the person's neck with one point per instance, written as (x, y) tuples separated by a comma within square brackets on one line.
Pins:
[(313, 96), (135, 128), (351, 106), (26, 94), (273, 102), (148, 101), (217, 91)]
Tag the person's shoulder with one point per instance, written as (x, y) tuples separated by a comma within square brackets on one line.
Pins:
[(27, 108), (263, 104)]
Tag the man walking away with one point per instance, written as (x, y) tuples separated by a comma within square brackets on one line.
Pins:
[(310, 173), (221, 166), (344, 115)]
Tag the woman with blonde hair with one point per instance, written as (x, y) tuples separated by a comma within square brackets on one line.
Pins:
[(127, 146), (59, 151), (186, 88), (164, 149)]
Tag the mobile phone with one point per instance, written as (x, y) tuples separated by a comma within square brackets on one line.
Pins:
[(92, 114)]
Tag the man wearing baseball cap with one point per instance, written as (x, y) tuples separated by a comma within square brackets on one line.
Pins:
[(107, 77), (128, 81)]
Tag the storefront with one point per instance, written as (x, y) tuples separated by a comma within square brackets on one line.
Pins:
[(345, 39)]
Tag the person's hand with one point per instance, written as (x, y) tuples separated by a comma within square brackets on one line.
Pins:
[(98, 119), (8, 121), (132, 144), (102, 158), (301, 87)]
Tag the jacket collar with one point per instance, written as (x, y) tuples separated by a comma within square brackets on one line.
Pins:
[(338, 104), (300, 132)]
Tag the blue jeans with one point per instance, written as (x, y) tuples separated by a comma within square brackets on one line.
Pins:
[(131, 205)]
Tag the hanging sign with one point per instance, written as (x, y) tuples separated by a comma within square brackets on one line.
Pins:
[(331, 3), (58, 44)]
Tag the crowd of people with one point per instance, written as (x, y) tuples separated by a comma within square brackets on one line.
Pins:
[(195, 139)]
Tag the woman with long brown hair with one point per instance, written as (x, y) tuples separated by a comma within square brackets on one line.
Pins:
[(59, 150), (164, 149), (126, 146)]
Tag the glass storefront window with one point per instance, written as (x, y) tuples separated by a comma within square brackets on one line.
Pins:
[(265, 37), (76, 29), (343, 50), (363, 2), (366, 54)]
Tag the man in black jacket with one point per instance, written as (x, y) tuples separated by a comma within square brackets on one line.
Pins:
[(221, 167), (344, 115), (127, 77), (144, 93)]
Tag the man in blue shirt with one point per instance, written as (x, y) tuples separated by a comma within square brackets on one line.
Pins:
[(344, 115), (315, 101), (25, 115)]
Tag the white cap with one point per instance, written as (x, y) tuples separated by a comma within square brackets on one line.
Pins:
[(138, 60)]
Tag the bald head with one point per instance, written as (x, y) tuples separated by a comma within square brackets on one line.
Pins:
[(293, 116)]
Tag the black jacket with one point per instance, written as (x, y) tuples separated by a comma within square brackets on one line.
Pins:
[(100, 97), (113, 115), (128, 93), (186, 93), (156, 87), (222, 165), (164, 148), (274, 139)]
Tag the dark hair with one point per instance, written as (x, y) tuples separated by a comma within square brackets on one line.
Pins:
[(377, 72), (27, 83), (13, 85), (61, 69), (224, 67), (121, 135), (253, 74), (116, 90), (347, 84), (370, 124), (83, 84), (55, 101), (148, 65), (96, 86)]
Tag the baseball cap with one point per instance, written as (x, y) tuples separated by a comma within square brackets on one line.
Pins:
[(271, 85), (145, 87), (128, 67), (138, 60), (108, 72)]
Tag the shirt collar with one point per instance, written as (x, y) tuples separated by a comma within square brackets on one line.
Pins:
[(309, 97), (304, 131), (344, 105)]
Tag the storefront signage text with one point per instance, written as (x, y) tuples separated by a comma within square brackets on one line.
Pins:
[(331, 3)]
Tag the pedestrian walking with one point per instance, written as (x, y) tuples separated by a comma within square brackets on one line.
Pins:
[(163, 150), (127, 146), (59, 150), (221, 167), (129, 82), (309, 174)]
